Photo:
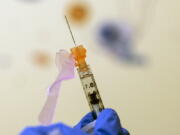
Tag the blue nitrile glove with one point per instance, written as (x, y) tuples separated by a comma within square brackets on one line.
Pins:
[(107, 123), (55, 129)]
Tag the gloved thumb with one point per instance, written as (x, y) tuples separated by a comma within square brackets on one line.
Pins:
[(85, 120), (108, 123)]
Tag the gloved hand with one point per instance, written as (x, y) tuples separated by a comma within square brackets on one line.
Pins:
[(107, 123)]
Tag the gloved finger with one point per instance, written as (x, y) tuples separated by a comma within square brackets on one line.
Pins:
[(85, 120), (108, 123), (62, 129), (56, 129), (40, 130), (125, 131)]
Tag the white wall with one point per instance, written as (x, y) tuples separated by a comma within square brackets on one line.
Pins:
[(146, 98)]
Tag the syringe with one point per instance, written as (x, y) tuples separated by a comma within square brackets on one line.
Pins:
[(86, 77), (87, 80)]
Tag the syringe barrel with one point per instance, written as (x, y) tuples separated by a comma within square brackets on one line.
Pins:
[(91, 90)]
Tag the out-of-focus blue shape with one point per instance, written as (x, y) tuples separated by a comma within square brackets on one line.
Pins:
[(118, 38)]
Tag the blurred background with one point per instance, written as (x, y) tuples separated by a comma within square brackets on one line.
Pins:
[(133, 49)]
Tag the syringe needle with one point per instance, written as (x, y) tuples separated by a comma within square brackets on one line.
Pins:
[(70, 30)]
